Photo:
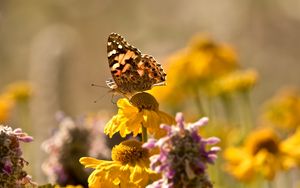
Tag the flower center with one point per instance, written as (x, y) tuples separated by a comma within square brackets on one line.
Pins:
[(144, 101), (270, 145), (129, 151)]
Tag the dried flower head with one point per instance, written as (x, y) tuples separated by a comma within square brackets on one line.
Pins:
[(73, 140)]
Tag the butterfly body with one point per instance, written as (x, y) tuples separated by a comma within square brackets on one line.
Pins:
[(132, 71)]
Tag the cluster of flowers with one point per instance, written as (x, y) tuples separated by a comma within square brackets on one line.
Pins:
[(178, 158), (130, 165), (272, 148), (263, 153), (207, 76), (175, 155), (206, 68), (213, 73), (11, 161)]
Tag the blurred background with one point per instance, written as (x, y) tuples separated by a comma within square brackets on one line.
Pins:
[(60, 47)]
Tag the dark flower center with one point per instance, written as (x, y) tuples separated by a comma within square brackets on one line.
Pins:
[(144, 101), (270, 145), (129, 151)]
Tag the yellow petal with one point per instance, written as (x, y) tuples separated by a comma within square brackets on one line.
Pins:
[(234, 155), (112, 126), (151, 119), (266, 164), (244, 170), (136, 174), (89, 162), (134, 124), (166, 118)]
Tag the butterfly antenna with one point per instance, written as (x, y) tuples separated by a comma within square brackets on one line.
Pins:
[(95, 101), (96, 85)]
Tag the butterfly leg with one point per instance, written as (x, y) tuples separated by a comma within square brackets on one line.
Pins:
[(112, 99)]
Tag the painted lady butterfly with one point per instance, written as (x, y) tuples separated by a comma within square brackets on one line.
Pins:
[(131, 70)]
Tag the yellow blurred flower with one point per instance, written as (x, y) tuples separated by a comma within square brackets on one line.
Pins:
[(15, 92), (129, 167), (291, 148), (6, 105), (208, 59), (20, 91), (263, 154), (195, 66), (140, 110), (202, 61), (237, 81), (283, 109)]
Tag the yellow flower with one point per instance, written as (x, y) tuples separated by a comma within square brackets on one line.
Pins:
[(209, 59), (20, 91), (291, 148), (202, 61), (263, 154), (6, 104), (239, 163), (141, 109), (194, 67), (129, 167), (283, 109), (237, 81)]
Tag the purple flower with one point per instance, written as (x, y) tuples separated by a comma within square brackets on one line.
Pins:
[(7, 167), (183, 156), (11, 161)]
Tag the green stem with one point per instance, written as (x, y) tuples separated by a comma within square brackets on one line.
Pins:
[(22, 111), (247, 111), (269, 184), (198, 101), (211, 113), (229, 108), (144, 134)]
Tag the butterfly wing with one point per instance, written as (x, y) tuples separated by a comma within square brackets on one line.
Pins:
[(151, 70), (131, 71)]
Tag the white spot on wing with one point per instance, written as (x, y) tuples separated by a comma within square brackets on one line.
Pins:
[(116, 65), (111, 84), (109, 43), (120, 46), (111, 53)]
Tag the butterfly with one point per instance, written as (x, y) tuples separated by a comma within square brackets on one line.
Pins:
[(131, 71)]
